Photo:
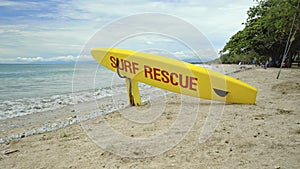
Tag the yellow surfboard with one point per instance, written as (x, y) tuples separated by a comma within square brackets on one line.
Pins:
[(173, 75)]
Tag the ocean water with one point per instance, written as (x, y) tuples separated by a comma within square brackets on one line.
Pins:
[(33, 88), (27, 81)]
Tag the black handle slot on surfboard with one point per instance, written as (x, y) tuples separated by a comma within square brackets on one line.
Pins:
[(221, 93)]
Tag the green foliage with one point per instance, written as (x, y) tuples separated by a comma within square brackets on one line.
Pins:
[(266, 32)]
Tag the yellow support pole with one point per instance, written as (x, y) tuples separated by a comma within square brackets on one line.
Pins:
[(133, 92)]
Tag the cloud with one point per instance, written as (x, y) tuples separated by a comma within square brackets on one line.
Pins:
[(30, 59), (57, 59)]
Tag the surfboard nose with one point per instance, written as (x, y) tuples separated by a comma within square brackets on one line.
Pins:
[(241, 93)]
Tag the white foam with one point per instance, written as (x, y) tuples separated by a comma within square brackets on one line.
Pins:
[(25, 106)]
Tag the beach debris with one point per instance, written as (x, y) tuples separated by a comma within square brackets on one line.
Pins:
[(297, 131), (8, 152), (259, 118), (283, 111), (171, 156), (71, 117), (256, 135)]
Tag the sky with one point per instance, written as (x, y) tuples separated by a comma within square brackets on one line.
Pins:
[(58, 31)]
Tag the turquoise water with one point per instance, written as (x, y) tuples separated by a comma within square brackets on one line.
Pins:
[(31, 88), (32, 80), (24, 81)]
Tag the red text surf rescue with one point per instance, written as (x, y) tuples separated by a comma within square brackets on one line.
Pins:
[(173, 78)]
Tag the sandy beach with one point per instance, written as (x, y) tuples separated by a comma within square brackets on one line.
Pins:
[(264, 135)]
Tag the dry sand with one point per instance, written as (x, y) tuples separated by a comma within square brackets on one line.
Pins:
[(265, 135)]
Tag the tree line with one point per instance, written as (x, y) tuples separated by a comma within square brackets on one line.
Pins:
[(272, 27)]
